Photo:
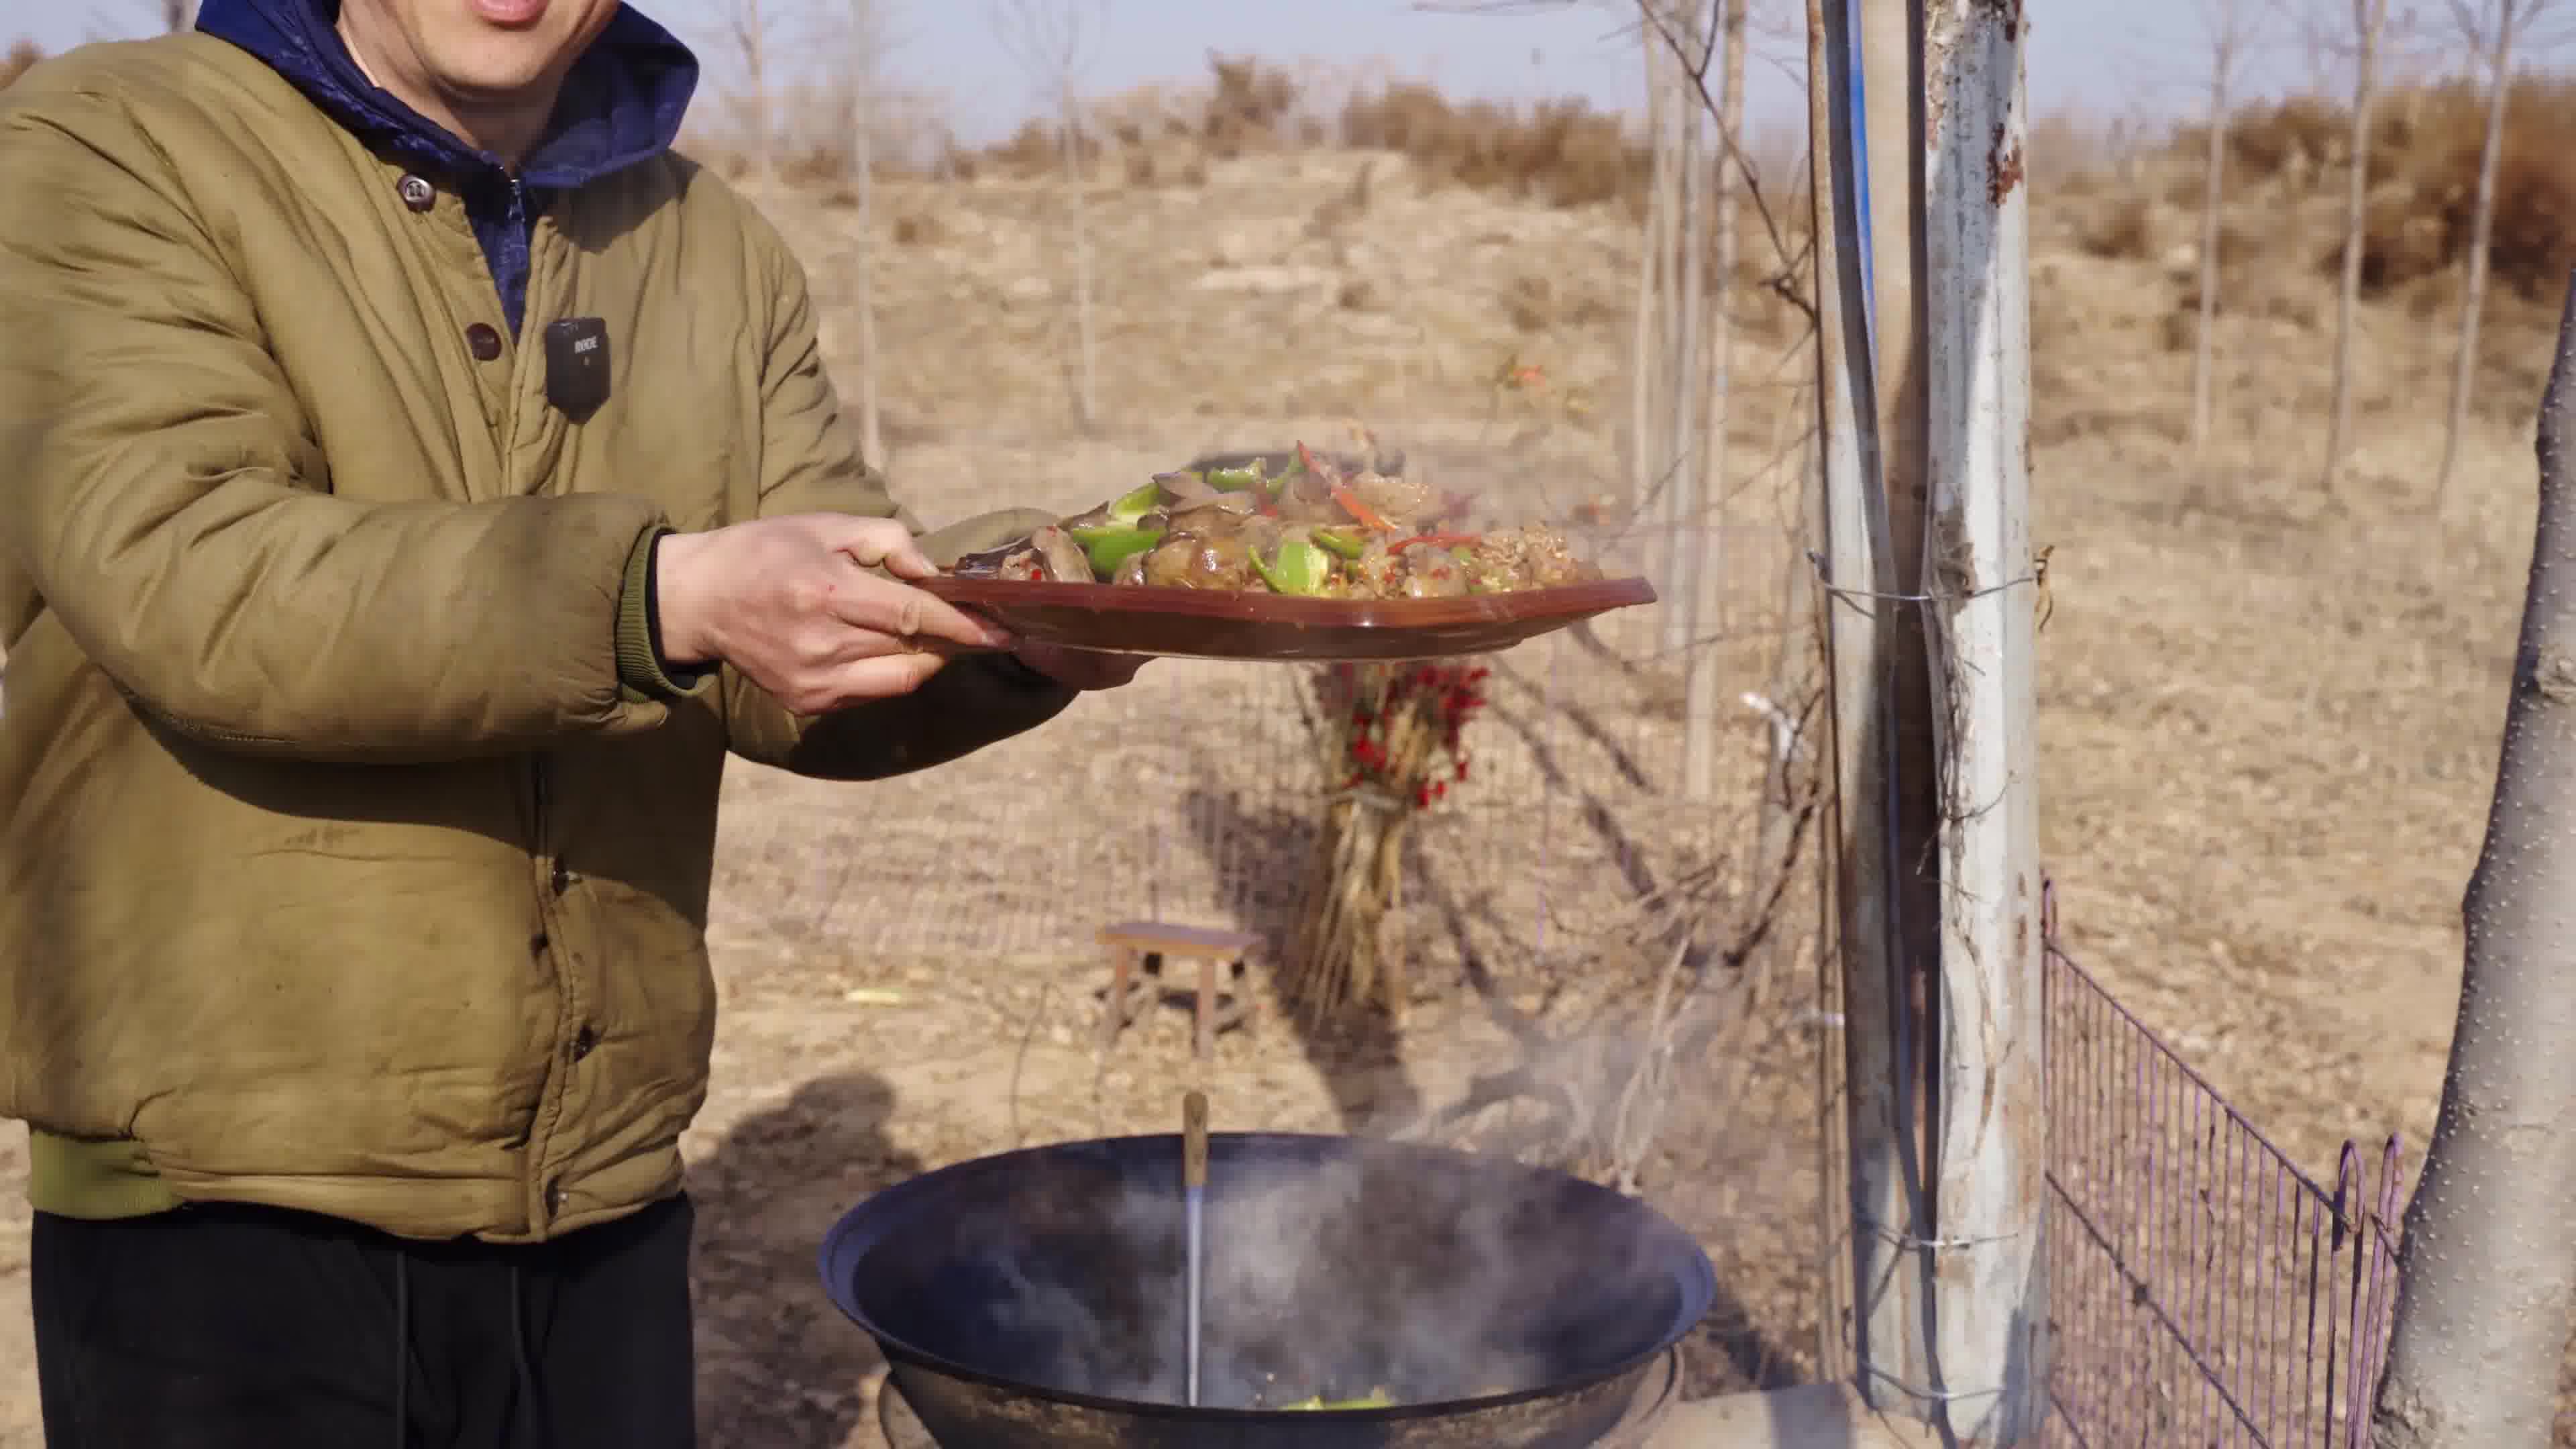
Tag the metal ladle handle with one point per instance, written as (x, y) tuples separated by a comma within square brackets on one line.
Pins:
[(1194, 1168), (1194, 1134)]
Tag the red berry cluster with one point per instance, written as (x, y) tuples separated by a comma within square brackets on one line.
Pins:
[(1452, 692)]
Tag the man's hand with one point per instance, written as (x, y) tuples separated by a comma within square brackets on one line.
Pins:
[(790, 603), (1080, 668)]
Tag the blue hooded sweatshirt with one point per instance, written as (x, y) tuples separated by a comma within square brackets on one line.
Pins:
[(621, 104)]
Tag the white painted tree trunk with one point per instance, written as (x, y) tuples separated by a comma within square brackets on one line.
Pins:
[(1708, 574), (1990, 1125), (2486, 1285), (1685, 500), (2473, 295), (2369, 18)]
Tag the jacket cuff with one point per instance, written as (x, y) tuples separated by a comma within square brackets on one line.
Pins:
[(642, 673)]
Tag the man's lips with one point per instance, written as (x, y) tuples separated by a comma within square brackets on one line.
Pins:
[(513, 13)]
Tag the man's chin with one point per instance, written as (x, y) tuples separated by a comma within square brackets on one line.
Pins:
[(496, 75)]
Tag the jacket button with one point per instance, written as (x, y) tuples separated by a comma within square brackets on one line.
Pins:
[(584, 1042), (554, 1197), (416, 193), (538, 943), (562, 878), (484, 340)]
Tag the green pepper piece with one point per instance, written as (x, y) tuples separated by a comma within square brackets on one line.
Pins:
[(1234, 480), (1137, 504), (1111, 544), (1348, 542), (1300, 568)]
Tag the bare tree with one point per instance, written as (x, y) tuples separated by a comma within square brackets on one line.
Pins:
[(178, 14), (1649, 351), (2369, 20), (2490, 30), (2231, 27), (1699, 704), (867, 82), (1055, 41), (750, 29), (1684, 489), (2486, 1292)]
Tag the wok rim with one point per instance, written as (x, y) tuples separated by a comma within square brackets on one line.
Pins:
[(868, 1223)]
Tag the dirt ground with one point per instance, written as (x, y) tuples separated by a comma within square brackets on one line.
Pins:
[(2268, 719)]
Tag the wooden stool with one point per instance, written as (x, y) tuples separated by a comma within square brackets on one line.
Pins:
[(1130, 940)]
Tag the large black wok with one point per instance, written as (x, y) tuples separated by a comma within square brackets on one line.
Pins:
[(1034, 1298)]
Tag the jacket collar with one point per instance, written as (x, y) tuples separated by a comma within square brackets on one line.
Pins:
[(622, 103)]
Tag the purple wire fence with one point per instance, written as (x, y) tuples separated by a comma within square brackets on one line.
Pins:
[(2203, 1289)]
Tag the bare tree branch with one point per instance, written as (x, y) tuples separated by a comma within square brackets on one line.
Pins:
[(1055, 41)]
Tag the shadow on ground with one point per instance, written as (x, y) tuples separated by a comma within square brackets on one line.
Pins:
[(779, 1366)]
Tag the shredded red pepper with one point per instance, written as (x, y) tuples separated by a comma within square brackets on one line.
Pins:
[(1351, 504), (1366, 515), (1437, 540)]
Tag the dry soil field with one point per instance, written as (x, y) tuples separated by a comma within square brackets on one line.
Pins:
[(2268, 718)]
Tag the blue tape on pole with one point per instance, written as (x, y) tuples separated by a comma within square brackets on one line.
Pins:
[(1857, 84)]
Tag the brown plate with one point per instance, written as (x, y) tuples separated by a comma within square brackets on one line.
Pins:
[(1210, 624)]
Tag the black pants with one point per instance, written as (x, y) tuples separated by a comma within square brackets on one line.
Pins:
[(219, 1327)]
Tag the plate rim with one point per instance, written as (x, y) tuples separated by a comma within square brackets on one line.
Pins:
[(1251, 607)]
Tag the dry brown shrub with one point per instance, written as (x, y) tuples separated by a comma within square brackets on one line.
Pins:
[(2422, 221), (1561, 152), (1252, 104), (20, 58), (918, 228), (2301, 134), (2123, 229)]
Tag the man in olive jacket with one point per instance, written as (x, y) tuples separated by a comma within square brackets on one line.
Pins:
[(414, 480)]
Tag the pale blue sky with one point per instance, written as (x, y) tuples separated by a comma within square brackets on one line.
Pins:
[(2094, 56)]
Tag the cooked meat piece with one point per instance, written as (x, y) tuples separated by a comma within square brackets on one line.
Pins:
[(1064, 559)]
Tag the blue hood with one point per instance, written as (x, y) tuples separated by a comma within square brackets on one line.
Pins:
[(622, 103)]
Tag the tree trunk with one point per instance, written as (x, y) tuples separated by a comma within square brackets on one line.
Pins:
[(1077, 186), (2473, 297), (863, 165), (178, 14), (2368, 16), (1643, 444), (1708, 579), (2204, 352), (2486, 1286), (1685, 501), (1661, 384), (1989, 1105)]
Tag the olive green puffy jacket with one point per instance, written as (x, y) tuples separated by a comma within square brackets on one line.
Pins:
[(342, 866)]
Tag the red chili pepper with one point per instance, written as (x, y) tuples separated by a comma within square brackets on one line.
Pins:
[(1350, 501), (1436, 540)]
